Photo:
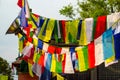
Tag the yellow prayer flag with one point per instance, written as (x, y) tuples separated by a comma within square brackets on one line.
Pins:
[(81, 60), (3, 77), (53, 63), (110, 61), (40, 36), (54, 74), (59, 77), (23, 3), (83, 36), (35, 40), (20, 42), (67, 25), (20, 35), (35, 17), (34, 57), (33, 25), (71, 31), (48, 31), (30, 69), (20, 45)]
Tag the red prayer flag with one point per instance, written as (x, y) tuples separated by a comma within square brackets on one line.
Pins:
[(91, 55), (30, 39), (41, 60), (51, 49), (58, 50), (19, 3), (27, 30), (63, 63), (100, 26), (63, 29)]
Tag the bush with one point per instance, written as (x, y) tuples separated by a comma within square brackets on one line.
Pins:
[(5, 69)]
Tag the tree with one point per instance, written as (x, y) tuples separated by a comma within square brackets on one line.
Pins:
[(5, 68), (91, 8), (68, 11)]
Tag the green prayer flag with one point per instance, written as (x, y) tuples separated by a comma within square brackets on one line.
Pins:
[(85, 52), (55, 31), (94, 26), (58, 67)]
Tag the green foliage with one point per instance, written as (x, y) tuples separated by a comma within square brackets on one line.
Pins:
[(67, 11), (5, 68), (92, 8)]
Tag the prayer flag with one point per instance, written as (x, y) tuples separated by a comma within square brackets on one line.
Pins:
[(23, 20), (91, 55), (73, 56), (63, 62), (117, 46), (110, 61), (51, 49), (110, 20), (45, 47), (68, 64), (58, 50), (55, 31), (117, 28), (41, 60), (27, 10), (107, 39), (89, 29), (48, 61), (53, 63), (83, 36), (99, 56), (30, 69), (63, 29), (94, 27), (13, 27), (59, 31), (27, 49), (85, 53), (64, 50), (33, 25), (100, 26), (41, 22), (20, 43), (46, 75), (116, 17), (37, 69), (20, 3), (59, 77), (49, 30), (37, 58), (35, 41), (81, 59), (79, 29), (34, 56), (71, 31), (40, 44), (58, 66), (3, 77)]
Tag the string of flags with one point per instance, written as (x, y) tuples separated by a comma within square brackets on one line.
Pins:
[(96, 39)]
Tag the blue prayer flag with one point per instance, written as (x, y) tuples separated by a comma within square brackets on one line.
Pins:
[(117, 46), (23, 21), (40, 44), (107, 39)]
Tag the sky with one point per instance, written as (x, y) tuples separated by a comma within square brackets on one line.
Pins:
[(9, 11)]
